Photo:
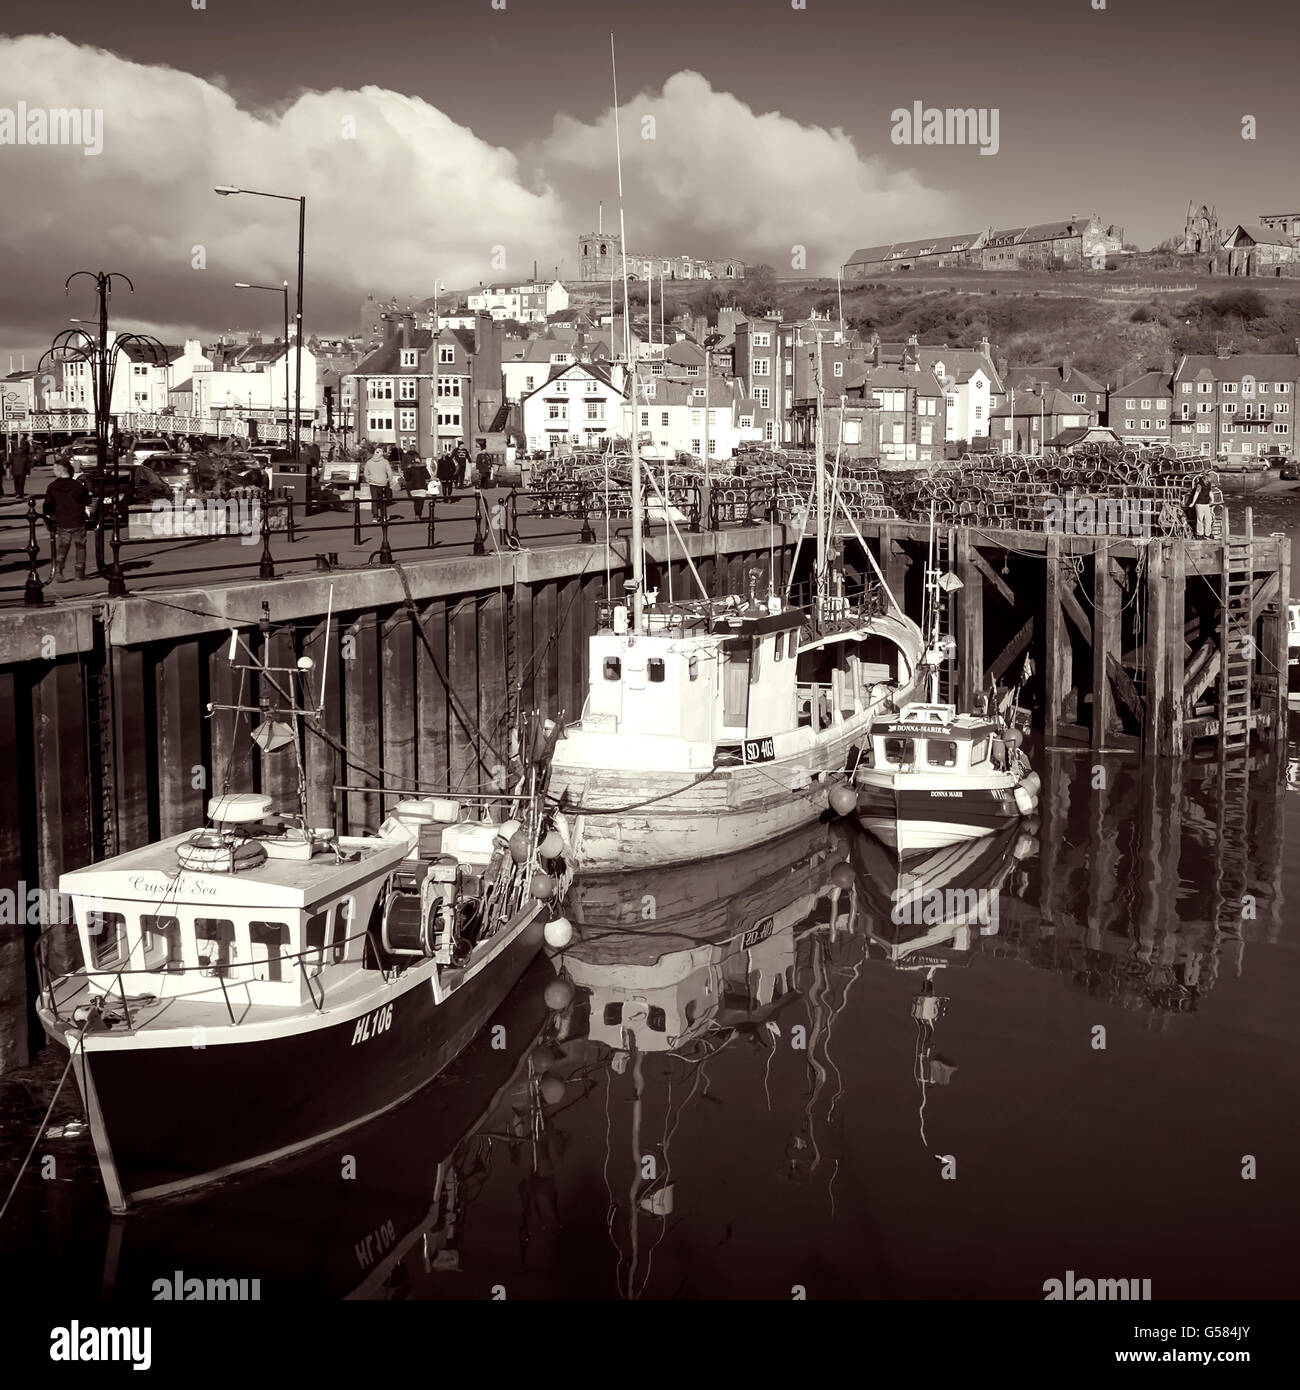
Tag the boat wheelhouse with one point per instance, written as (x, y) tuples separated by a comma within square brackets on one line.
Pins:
[(717, 725), (932, 777), (1293, 652)]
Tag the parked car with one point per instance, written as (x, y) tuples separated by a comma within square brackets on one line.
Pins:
[(145, 449), (1290, 471), (196, 473), (83, 454), (137, 486)]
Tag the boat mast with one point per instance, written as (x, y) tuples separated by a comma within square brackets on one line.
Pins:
[(819, 447), (629, 348)]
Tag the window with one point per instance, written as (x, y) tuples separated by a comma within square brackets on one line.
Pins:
[(379, 388), (649, 390), (1186, 387), (1204, 408), (898, 751), (1146, 424), (612, 668), (663, 419), (1247, 386), (215, 937), (979, 412), (1230, 407), (408, 357), (1281, 408), (268, 941), (446, 353), (696, 447), (407, 389), (693, 668), (406, 421), (940, 752), (762, 366), (1203, 388), (657, 369), (654, 669), (376, 423), (762, 340), (562, 386), (1229, 388), (166, 930), (1283, 388), (762, 397), (692, 371), (1281, 429), (746, 422), (1079, 398), (1130, 405), (595, 410), (698, 393), (839, 369), (555, 410), (778, 647), (450, 418), (528, 383), (769, 433), (107, 932), (1202, 429), (853, 431), (952, 404), (449, 386)]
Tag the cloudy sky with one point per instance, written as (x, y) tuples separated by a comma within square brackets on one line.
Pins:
[(427, 135)]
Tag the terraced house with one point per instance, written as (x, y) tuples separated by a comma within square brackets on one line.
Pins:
[(1074, 241), (1236, 406), (1141, 410)]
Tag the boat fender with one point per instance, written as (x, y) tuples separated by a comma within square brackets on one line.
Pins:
[(1032, 783), (1026, 801)]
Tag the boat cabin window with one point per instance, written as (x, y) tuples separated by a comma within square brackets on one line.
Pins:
[(107, 932), (314, 938), (899, 751), (164, 932), (655, 668), (778, 646), (693, 668), (656, 1019), (613, 668), (979, 750), (215, 938), (269, 941), (941, 752), (756, 663), (613, 1013), (794, 645)]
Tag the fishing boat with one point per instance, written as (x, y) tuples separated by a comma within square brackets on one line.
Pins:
[(1293, 653), (930, 776), (711, 725), (258, 985)]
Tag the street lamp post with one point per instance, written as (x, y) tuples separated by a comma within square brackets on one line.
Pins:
[(301, 199), (77, 345), (283, 289)]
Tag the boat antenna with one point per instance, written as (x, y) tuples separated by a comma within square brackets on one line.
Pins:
[(819, 446), (325, 660)]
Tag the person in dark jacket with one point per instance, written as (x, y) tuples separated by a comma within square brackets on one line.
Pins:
[(66, 501), (460, 455), (483, 464), (416, 477), (446, 472), (21, 465)]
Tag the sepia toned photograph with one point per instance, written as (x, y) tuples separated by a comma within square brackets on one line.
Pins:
[(647, 655)]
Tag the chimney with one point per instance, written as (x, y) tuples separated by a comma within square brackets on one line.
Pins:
[(405, 331), (875, 349), (911, 358), (984, 346), (1002, 366), (1297, 345), (1067, 362)]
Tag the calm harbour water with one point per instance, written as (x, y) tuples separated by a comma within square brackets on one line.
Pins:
[(740, 1163), (785, 1119)]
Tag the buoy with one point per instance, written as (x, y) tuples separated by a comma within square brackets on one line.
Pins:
[(541, 886), (518, 843), (1026, 847), (558, 995), (843, 799), (842, 876), (558, 933), (1013, 738), (552, 1089), (552, 846)]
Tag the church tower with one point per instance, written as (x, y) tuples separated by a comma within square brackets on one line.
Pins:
[(600, 256)]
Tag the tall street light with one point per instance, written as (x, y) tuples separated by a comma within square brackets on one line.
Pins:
[(226, 190), (282, 288), (79, 346)]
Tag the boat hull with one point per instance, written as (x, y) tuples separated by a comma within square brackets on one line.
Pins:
[(168, 1116), (912, 819)]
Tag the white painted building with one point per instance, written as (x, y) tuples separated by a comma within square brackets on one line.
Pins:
[(671, 416), (141, 384), (577, 408), (254, 379), (530, 303)]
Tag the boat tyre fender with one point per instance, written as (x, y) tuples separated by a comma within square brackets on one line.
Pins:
[(210, 850)]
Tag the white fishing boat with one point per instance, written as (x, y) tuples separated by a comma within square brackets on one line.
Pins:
[(932, 777), (712, 725), (258, 985), (1293, 653)]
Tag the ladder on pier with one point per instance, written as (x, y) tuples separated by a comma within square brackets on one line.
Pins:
[(944, 549), (1236, 641), (102, 739)]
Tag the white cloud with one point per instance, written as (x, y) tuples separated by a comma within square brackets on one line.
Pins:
[(720, 179)]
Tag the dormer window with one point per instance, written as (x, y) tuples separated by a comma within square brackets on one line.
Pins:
[(408, 357), (446, 353), (649, 390), (698, 393)]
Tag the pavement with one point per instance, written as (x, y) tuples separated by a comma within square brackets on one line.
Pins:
[(156, 562)]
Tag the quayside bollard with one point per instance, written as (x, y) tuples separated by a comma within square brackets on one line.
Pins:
[(33, 590)]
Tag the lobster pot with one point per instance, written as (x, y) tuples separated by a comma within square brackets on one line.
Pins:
[(407, 929)]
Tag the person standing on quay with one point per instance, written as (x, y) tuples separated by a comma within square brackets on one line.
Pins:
[(22, 462), (416, 477), (379, 476), (66, 500), (461, 455), (446, 469)]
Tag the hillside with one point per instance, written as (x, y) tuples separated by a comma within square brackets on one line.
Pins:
[(1113, 324)]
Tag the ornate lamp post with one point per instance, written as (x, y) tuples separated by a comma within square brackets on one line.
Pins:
[(77, 345)]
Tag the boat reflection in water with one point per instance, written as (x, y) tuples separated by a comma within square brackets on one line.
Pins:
[(362, 1217)]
